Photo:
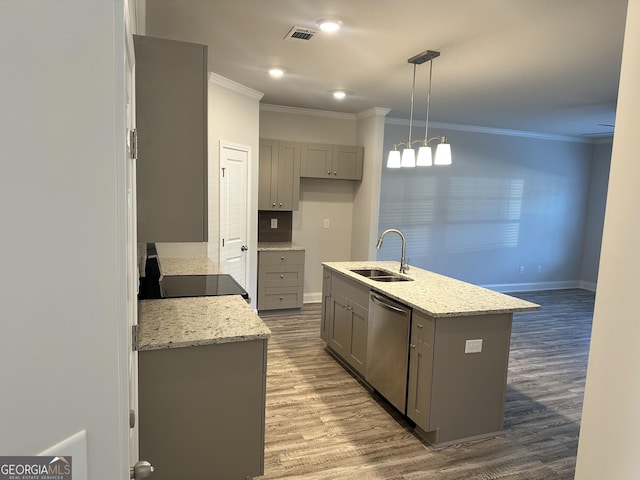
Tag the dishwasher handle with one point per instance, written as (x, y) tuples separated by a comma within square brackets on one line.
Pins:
[(381, 301)]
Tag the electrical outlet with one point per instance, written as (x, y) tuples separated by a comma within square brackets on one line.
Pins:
[(473, 346), (326, 223), (274, 223)]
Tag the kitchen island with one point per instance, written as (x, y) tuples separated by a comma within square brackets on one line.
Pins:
[(202, 381), (455, 338)]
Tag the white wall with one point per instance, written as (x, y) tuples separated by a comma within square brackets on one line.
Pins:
[(233, 118), (62, 189), (609, 439), (366, 201)]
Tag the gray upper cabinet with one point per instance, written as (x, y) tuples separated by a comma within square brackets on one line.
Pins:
[(171, 111), (341, 162), (279, 178)]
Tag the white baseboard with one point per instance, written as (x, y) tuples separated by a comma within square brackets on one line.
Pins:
[(533, 286), (313, 297), (591, 286)]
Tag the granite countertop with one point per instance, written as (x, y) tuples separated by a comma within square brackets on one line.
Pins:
[(192, 321), (278, 246), (188, 266), (435, 294)]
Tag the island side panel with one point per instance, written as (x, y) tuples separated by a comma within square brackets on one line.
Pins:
[(468, 389), (202, 410)]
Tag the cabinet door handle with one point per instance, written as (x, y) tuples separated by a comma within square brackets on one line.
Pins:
[(273, 204), (281, 276), (282, 258), (335, 173), (280, 204), (412, 346), (281, 298), (419, 325), (328, 172)]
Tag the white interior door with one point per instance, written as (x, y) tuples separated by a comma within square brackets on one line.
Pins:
[(234, 165)]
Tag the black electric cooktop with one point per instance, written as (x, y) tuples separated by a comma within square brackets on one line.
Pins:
[(176, 286)]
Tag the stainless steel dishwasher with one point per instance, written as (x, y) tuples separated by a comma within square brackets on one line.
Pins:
[(388, 349)]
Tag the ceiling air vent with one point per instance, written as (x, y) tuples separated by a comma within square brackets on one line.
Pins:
[(300, 33)]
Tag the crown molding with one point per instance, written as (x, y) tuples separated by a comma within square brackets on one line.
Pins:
[(266, 107), (224, 82), (373, 112), (492, 130)]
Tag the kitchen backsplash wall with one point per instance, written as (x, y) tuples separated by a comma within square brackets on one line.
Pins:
[(274, 226)]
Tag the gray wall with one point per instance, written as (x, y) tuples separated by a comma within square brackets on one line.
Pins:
[(506, 202), (598, 186)]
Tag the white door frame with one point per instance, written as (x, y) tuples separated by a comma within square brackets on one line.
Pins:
[(247, 150)]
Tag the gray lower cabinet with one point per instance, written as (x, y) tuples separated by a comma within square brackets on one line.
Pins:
[(347, 321), (171, 166), (202, 410), (280, 279), (279, 175), (341, 162), (453, 395), (326, 304)]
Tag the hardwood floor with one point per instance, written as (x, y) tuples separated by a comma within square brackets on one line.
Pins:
[(321, 423)]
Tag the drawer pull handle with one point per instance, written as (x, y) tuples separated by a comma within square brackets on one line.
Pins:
[(281, 258), (281, 298)]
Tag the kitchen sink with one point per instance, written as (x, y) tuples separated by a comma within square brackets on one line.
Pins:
[(378, 275)]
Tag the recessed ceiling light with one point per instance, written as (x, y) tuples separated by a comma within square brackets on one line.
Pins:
[(339, 94), (276, 72), (329, 24)]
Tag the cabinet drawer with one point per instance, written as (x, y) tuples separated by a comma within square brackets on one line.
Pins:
[(286, 276), (282, 297), (284, 257)]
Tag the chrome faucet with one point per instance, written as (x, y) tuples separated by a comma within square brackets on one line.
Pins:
[(403, 266)]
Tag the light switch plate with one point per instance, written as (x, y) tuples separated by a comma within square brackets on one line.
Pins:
[(473, 346)]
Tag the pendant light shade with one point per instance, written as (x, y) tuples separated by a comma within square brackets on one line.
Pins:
[(408, 157), (393, 161), (424, 157), (443, 153)]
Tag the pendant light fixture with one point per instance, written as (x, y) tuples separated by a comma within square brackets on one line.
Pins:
[(407, 158)]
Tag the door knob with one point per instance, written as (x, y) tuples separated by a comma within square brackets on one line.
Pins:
[(244, 248), (142, 469)]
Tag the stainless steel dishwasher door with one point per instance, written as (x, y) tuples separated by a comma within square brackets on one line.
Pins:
[(388, 349)]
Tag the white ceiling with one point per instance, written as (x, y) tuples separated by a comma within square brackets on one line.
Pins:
[(548, 66)]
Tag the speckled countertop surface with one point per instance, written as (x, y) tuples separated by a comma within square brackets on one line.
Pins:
[(188, 266), (435, 294), (277, 246), (188, 322), (192, 321)]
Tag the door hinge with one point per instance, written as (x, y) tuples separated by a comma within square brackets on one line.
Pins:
[(134, 338), (133, 144), (223, 169), (223, 242)]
